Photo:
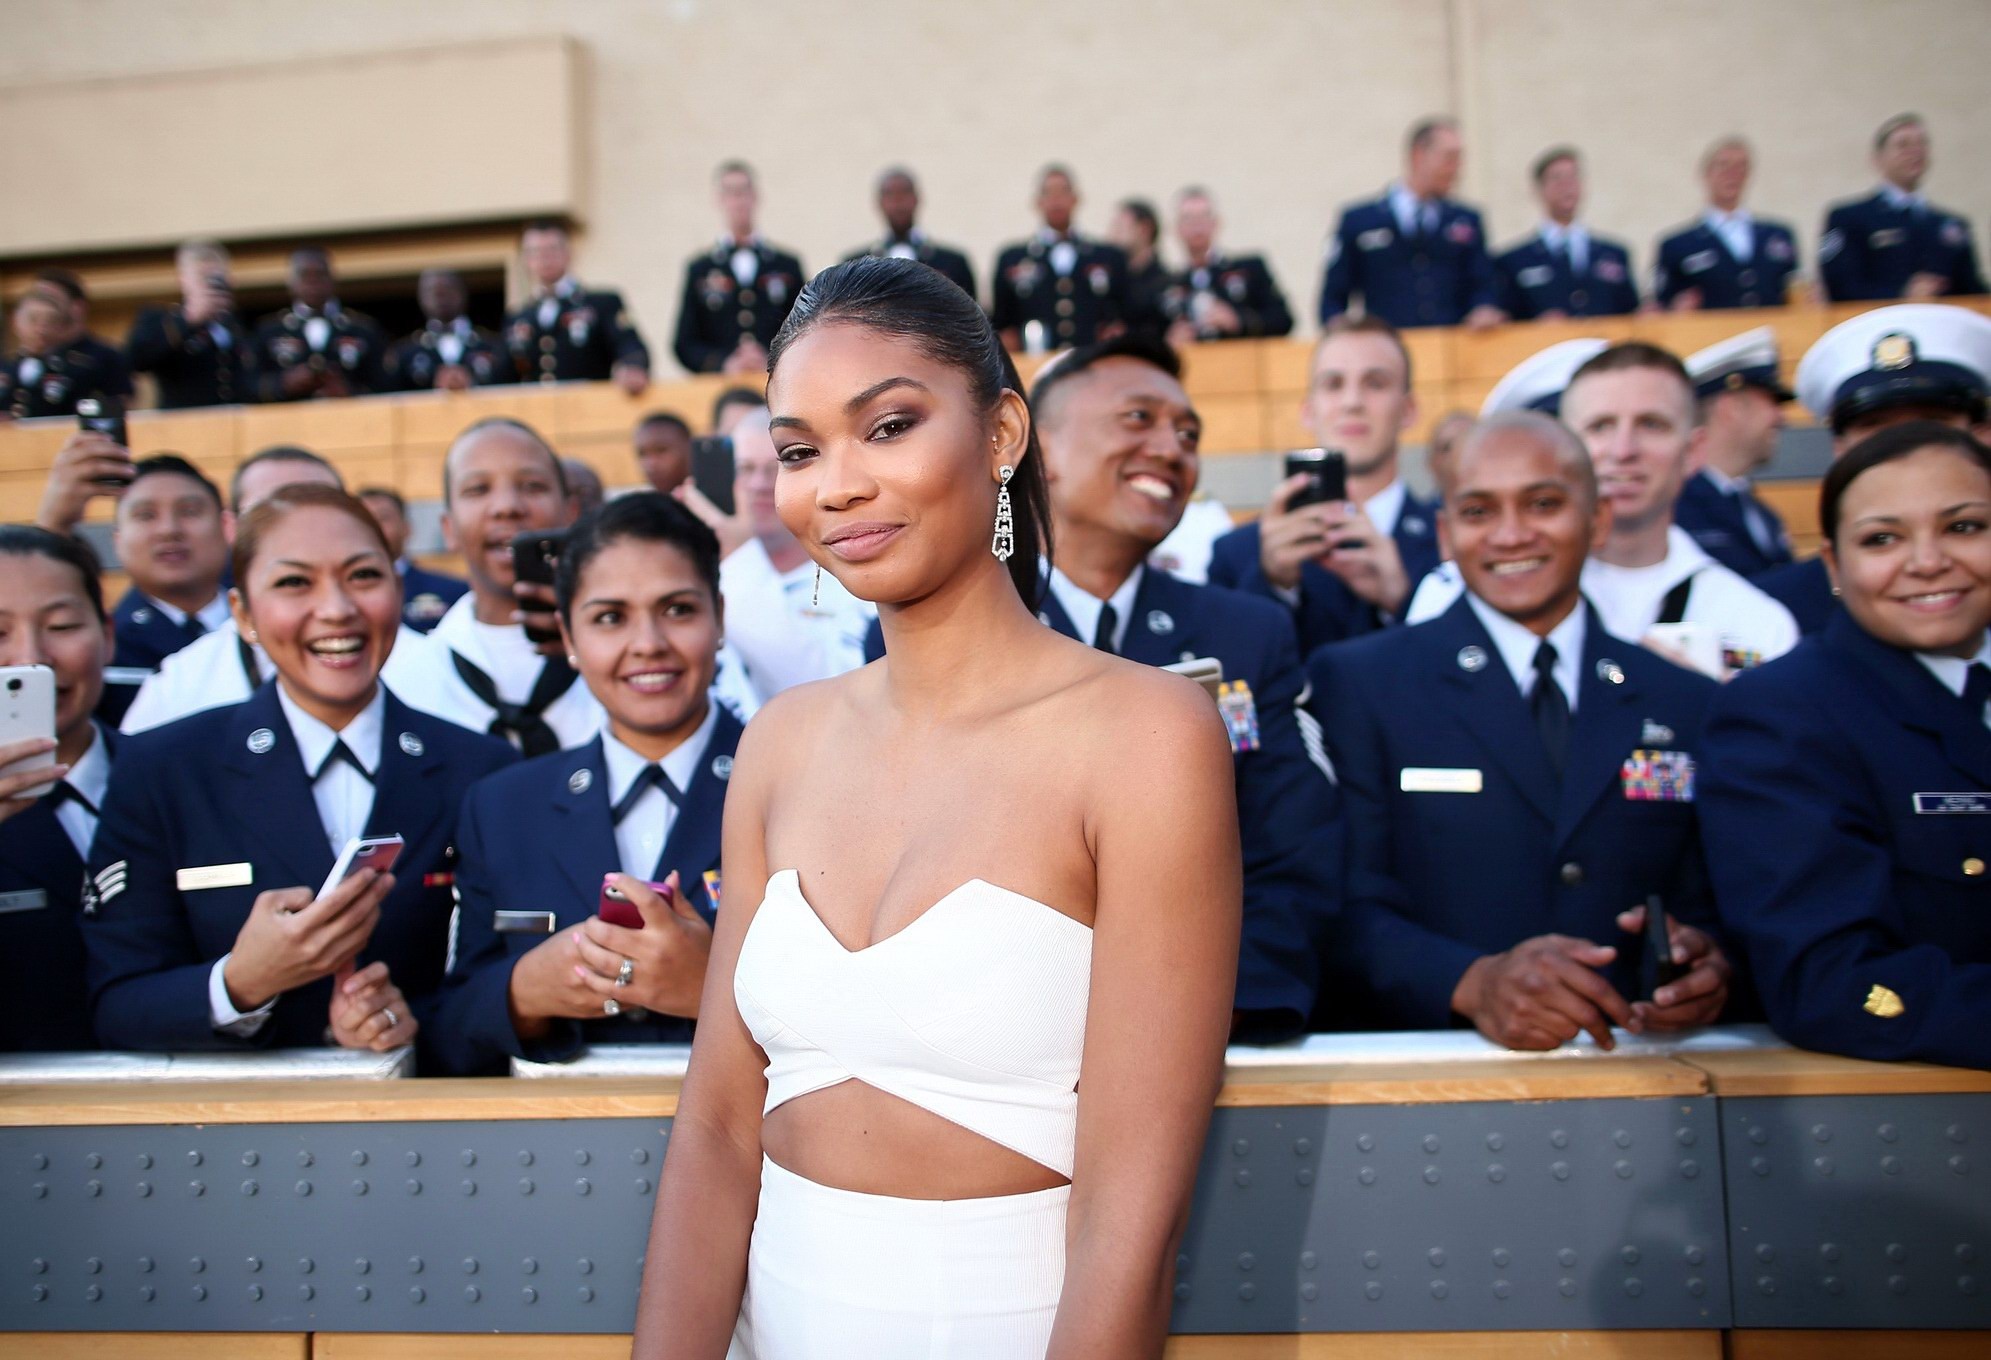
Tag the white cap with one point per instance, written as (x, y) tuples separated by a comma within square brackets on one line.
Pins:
[(1745, 360), (1916, 352), (1536, 383)]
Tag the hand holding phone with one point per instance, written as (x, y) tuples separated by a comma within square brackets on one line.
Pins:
[(616, 908), (363, 852), (535, 561), (1327, 471), (713, 471), (27, 719)]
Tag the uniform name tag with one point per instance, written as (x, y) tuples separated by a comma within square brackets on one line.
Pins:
[(522, 922), (28, 899), (1374, 239), (1534, 276), (1422, 779), (1944, 804), (215, 876)]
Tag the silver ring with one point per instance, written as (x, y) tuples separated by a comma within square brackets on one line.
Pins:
[(626, 974), (392, 1018), (611, 1007)]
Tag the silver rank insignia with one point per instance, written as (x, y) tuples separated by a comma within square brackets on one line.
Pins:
[(1160, 621), (722, 767), (1240, 713), (580, 780), (1609, 671), (1472, 659), (411, 745), (262, 741)]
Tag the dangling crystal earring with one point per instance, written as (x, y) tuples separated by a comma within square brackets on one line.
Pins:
[(816, 595), (1003, 545)]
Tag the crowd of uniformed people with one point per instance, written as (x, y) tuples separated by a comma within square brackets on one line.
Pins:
[(1576, 746), (1413, 256)]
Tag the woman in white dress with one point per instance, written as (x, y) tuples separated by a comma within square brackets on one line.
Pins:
[(968, 997)]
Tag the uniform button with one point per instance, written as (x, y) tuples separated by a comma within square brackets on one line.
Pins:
[(747, 297), (1974, 867), (1572, 873), (746, 320), (1578, 298), (1064, 285), (546, 342), (1065, 328), (548, 362), (1064, 306)]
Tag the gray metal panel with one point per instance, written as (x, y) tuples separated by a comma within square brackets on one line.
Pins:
[(1480, 1217), (1860, 1211), (528, 1226)]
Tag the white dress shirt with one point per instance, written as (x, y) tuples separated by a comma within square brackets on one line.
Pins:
[(1574, 239), (550, 302), (1414, 216), (90, 777), (783, 638), (742, 258), (1517, 646), (1950, 671), (345, 799), (1897, 197), (1737, 231), (211, 615), (1084, 608), (643, 830)]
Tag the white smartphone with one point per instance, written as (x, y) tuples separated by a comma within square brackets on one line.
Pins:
[(363, 852), (27, 710)]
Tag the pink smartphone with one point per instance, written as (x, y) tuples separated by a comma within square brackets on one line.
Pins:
[(617, 909), (363, 852)]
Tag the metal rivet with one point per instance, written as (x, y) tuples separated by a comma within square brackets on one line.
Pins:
[(39, 1266), (1502, 1257), (304, 1159), (1684, 1137), (1694, 1256), (146, 1293), (199, 1292), (1758, 1135), (1696, 1286), (307, 1292), (1494, 1142), (1629, 1256), (587, 1294), (1622, 1138), (1624, 1170), (1898, 1284), (581, 1157), (94, 1161), (1967, 1284), (413, 1187), (359, 1158), (1430, 1142), (639, 1155), (1823, 1165), (471, 1293), (642, 1186), (530, 1294), (94, 1265), (585, 1266), (1182, 1289), (1308, 1260), (254, 1263), (1309, 1291), (250, 1187), (470, 1265), (581, 1186), (1431, 1175), (1821, 1133), (41, 1190), (1496, 1173), (1689, 1169), (1560, 1170), (1241, 1147), (1367, 1175), (1372, 1260), (1558, 1139), (1566, 1287), (362, 1293), (1634, 1286), (1373, 1290), (250, 1159), (303, 1188), (530, 1265), (524, 1158), (1766, 1284), (255, 1293), (417, 1294), (196, 1264), (1247, 1291), (414, 1265), (1436, 1256), (362, 1266), (144, 1161), (1501, 1289), (1367, 1142), (305, 1265), (1243, 1177), (1246, 1260), (413, 1158), (94, 1189), (1766, 1253), (1960, 1165), (93, 1293), (39, 1161), (468, 1157), (1566, 1257), (1439, 1289), (469, 1187), (525, 1186), (360, 1187), (145, 1189), (197, 1188)]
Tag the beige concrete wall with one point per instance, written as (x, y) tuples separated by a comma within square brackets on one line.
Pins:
[(1285, 108)]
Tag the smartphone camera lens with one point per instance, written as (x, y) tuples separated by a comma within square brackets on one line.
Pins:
[(14, 685)]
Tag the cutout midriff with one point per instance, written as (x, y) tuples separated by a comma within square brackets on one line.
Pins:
[(853, 1136)]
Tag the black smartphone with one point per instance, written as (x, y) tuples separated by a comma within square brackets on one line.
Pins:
[(104, 416), (1327, 472), (712, 470), (1658, 968), (535, 557)]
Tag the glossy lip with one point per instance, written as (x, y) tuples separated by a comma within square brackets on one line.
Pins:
[(862, 541)]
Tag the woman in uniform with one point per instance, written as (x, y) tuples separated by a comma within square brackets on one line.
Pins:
[(52, 615), (1846, 796), (215, 923), (634, 812)]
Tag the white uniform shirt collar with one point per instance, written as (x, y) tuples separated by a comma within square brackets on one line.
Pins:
[(1898, 197), (211, 615), (500, 650), (1517, 646), (1408, 208), (643, 831), (1951, 671), (624, 764), (1722, 482), (361, 735), (90, 776), (1385, 508), (1083, 607)]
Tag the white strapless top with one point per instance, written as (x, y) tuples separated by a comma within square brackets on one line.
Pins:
[(975, 1011)]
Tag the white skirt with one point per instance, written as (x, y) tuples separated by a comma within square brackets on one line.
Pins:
[(834, 1273)]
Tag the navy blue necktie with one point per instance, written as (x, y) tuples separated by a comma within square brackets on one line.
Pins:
[(341, 752), (649, 777), (1977, 689), (1551, 708), (1102, 636)]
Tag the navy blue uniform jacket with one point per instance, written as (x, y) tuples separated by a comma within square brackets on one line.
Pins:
[(532, 842), (194, 794), (1695, 257), (144, 638), (192, 367), (427, 595), (1870, 248), (947, 261), (1328, 610), (1804, 588), (716, 311), (1439, 879), (1534, 280), (1837, 864), (44, 1000), (1717, 522), (1288, 815), (1432, 279)]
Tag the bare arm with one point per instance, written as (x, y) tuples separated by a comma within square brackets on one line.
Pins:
[(1165, 839), (696, 1269)]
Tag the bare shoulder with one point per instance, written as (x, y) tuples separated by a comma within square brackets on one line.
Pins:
[(802, 709), (1150, 718)]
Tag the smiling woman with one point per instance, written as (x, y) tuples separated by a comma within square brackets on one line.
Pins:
[(1871, 939), (208, 928), (907, 1177)]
